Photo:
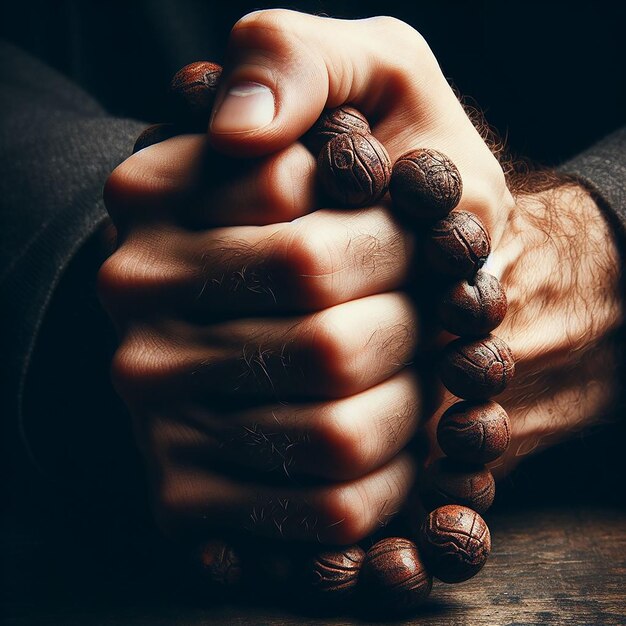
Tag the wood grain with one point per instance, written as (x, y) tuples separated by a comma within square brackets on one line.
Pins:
[(548, 566)]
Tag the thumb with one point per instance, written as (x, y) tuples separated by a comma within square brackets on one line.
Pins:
[(283, 68)]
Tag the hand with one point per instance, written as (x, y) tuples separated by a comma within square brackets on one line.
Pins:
[(221, 328), (551, 246), (560, 267), (205, 376), (250, 349)]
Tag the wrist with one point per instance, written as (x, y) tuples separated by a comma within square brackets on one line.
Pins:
[(558, 258), (559, 264)]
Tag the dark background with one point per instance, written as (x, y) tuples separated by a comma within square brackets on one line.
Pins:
[(549, 75)]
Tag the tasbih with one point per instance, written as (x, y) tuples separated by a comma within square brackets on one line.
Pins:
[(451, 540)]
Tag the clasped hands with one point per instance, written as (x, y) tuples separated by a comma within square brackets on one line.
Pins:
[(266, 342)]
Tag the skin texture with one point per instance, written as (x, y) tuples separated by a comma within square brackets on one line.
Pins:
[(264, 342)]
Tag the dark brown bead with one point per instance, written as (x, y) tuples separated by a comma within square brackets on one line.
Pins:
[(457, 245), (274, 568), (220, 563), (335, 572), (476, 369), (473, 307), (193, 90), (354, 169), (474, 432), (333, 122), (455, 542), (449, 482), (155, 134), (394, 576), (425, 184)]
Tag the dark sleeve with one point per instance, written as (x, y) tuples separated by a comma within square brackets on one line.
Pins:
[(602, 169), (57, 146)]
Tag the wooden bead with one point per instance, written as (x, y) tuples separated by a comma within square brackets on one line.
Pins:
[(457, 245), (333, 122), (220, 564), (354, 169), (473, 307), (394, 577), (450, 482), (425, 184), (193, 90), (474, 432), (455, 542), (335, 572), (476, 369), (155, 134)]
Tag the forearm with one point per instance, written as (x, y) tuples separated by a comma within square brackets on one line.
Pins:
[(57, 146)]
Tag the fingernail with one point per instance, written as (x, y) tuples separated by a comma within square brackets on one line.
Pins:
[(246, 106)]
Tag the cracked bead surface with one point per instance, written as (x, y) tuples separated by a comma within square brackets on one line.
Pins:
[(334, 572), (354, 169), (425, 184), (193, 90), (474, 432), (394, 576), (155, 134), (451, 482), (455, 542), (473, 306), (333, 122), (476, 369), (457, 245)]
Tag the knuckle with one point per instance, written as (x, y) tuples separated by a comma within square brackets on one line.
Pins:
[(265, 18), (402, 35), (406, 49), (346, 514), (332, 354), (276, 189), (143, 183), (106, 283), (265, 29), (169, 506), (141, 274), (120, 277), (284, 184), (342, 443), (306, 262), (139, 364), (123, 185)]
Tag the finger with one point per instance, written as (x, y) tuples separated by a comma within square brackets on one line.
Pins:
[(279, 188), (285, 67), (339, 440), (182, 181), (199, 501), (323, 355), (323, 259)]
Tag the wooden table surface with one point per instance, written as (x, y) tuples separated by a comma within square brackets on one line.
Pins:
[(559, 557)]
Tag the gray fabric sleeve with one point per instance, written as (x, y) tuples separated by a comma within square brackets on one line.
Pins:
[(602, 169), (57, 146)]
